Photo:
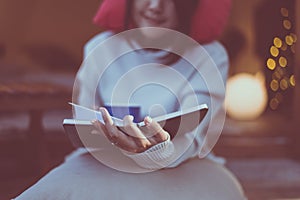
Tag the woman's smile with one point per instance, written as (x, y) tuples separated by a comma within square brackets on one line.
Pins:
[(154, 13), (153, 19)]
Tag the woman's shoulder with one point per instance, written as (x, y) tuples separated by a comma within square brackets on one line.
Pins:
[(216, 50), (97, 39), (213, 53), (101, 36)]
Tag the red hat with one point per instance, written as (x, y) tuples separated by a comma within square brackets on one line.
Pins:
[(207, 24)]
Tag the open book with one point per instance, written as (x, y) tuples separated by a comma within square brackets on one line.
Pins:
[(81, 128)]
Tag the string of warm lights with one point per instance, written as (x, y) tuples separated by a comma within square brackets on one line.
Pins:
[(280, 62)]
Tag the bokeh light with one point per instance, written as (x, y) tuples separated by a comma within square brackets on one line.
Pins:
[(293, 80), (283, 62), (287, 24), (284, 84), (274, 85), (289, 40), (294, 36), (246, 96), (284, 12), (271, 64), (274, 51), (277, 42)]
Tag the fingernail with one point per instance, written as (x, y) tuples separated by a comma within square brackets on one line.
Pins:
[(102, 111), (131, 117), (148, 120)]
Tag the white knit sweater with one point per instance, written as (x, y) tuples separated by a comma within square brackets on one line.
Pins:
[(138, 78)]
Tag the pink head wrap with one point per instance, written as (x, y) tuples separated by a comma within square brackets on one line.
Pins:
[(208, 22)]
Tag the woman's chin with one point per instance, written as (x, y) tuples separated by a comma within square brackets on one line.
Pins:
[(153, 33)]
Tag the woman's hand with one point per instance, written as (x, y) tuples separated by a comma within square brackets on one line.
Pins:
[(130, 138)]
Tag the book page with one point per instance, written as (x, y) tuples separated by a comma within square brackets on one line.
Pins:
[(87, 114)]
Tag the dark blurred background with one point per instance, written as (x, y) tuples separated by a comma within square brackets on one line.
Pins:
[(41, 44)]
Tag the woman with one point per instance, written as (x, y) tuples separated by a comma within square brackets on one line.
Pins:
[(159, 69)]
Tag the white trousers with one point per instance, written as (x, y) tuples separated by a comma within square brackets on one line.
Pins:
[(82, 177)]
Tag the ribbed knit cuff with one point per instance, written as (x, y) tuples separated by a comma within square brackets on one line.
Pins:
[(157, 157)]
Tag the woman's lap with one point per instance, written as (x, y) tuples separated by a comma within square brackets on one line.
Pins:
[(83, 177)]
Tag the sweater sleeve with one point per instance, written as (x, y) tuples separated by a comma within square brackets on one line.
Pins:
[(86, 80), (157, 157), (209, 130)]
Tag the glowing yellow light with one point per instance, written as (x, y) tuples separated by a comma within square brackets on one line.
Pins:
[(274, 103), (294, 36), (283, 62), (284, 47), (293, 81), (274, 51), (289, 40), (284, 84), (271, 64), (276, 76), (287, 24), (274, 85), (277, 42), (284, 12), (246, 96)]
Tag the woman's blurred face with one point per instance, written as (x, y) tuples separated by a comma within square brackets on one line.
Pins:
[(154, 13)]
